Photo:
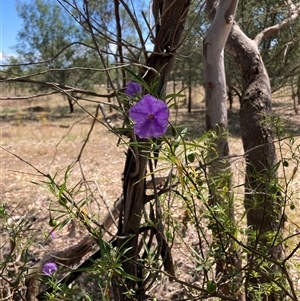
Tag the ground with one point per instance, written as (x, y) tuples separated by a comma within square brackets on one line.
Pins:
[(40, 137)]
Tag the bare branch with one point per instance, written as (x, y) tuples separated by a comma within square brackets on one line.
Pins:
[(119, 39), (69, 89), (49, 60), (267, 32), (55, 86), (28, 97), (137, 27)]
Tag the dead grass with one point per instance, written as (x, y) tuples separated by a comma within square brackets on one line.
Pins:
[(43, 134)]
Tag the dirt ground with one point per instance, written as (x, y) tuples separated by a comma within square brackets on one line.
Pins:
[(41, 137)]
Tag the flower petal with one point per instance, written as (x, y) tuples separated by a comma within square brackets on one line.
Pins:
[(49, 268), (143, 129), (138, 112), (133, 88), (157, 129), (150, 116), (162, 113), (150, 128)]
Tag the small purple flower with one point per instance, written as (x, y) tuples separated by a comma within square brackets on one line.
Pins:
[(150, 116), (133, 88), (49, 268)]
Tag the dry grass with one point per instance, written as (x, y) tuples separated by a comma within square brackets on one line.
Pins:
[(51, 139)]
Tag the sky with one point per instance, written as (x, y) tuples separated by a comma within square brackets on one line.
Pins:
[(10, 24)]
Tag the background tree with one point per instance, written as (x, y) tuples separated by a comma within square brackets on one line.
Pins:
[(263, 203), (220, 176), (263, 206), (187, 71), (53, 48), (279, 50)]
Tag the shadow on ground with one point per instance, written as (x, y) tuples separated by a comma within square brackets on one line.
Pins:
[(195, 122), (180, 118), (38, 113)]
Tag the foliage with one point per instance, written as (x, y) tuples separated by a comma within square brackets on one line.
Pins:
[(185, 164), (176, 185), (53, 48), (279, 51), (187, 69)]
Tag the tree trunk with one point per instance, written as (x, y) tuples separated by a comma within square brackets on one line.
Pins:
[(263, 209), (190, 99), (168, 35), (216, 120)]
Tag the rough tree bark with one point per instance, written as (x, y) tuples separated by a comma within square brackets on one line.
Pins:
[(263, 209), (170, 16)]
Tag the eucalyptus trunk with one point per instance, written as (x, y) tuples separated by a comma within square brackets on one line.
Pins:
[(220, 168), (263, 208)]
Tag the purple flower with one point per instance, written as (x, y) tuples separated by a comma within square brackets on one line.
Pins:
[(150, 116), (133, 88), (49, 268)]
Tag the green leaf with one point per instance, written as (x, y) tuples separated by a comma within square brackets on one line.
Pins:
[(52, 222), (64, 223), (62, 201), (137, 78), (191, 157), (274, 189), (285, 163), (173, 95), (211, 287), (173, 131), (131, 277)]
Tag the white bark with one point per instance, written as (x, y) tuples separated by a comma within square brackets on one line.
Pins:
[(216, 120), (213, 62)]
